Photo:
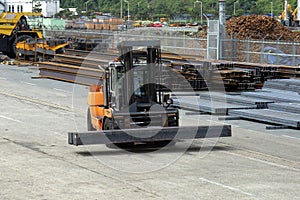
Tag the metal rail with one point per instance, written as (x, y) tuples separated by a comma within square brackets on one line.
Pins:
[(70, 73), (88, 62)]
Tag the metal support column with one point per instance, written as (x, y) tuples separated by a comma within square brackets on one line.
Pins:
[(222, 23), (298, 11)]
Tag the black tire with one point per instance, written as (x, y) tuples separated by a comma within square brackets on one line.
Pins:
[(89, 121), (164, 143), (107, 125), (14, 41)]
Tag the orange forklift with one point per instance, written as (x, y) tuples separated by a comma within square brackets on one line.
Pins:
[(131, 106)]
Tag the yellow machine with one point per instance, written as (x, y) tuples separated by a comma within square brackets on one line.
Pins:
[(295, 14), (289, 16), (17, 37), (34, 49), (13, 29)]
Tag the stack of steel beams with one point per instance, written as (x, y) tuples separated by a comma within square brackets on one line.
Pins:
[(70, 73), (274, 95)]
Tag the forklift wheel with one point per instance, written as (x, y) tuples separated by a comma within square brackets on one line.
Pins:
[(13, 41), (107, 125)]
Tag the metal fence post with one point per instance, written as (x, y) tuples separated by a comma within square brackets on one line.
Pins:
[(233, 48), (277, 47), (294, 54), (247, 50), (184, 43), (262, 52)]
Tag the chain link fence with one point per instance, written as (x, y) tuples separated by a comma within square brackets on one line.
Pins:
[(185, 43), (276, 52), (172, 40)]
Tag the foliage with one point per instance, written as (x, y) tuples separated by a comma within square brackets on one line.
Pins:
[(37, 7), (153, 9), (64, 14)]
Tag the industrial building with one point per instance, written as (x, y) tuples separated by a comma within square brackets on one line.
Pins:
[(48, 7)]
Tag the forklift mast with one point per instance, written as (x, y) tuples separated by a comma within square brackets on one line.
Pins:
[(139, 72)]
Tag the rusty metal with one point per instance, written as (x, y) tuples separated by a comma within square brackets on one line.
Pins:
[(88, 62), (70, 73), (197, 72)]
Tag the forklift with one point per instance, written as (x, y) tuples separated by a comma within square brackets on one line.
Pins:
[(132, 106)]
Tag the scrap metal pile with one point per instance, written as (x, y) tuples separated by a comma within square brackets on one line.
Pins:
[(258, 27)]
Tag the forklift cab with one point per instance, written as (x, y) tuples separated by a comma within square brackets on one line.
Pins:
[(133, 77), (134, 85), (23, 25)]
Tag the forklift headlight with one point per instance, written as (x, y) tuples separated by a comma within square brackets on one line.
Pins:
[(169, 101), (112, 105)]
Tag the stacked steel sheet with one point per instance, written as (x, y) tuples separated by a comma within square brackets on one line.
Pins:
[(269, 116), (283, 84), (283, 96), (208, 106), (286, 107), (236, 99)]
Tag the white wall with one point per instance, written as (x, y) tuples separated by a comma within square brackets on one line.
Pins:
[(49, 7), (18, 6)]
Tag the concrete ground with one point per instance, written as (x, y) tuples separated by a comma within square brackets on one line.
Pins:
[(37, 163)]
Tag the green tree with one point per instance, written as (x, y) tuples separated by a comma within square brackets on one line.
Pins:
[(155, 8), (37, 7)]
